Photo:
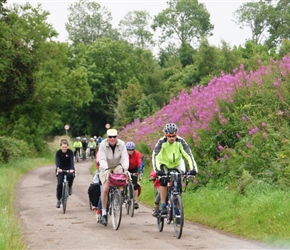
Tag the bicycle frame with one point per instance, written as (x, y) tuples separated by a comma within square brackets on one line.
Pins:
[(129, 195), (114, 205), (64, 190), (174, 204)]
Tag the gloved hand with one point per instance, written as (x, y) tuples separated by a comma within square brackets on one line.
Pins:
[(191, 172), (160, 173), (140, 175)]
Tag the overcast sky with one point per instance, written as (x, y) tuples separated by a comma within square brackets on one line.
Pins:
[(221, 14)]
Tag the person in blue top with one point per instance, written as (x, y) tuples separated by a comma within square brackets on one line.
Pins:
[(100, 139), (64, 160)]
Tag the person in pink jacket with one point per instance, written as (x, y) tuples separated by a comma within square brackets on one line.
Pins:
[(154, 177), (112, 158)]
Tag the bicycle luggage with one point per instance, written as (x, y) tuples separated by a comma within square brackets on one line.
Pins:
[(94, 192), (117, 180)]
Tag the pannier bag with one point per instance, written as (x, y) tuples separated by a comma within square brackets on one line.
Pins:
[(94, 192), (117, 180)]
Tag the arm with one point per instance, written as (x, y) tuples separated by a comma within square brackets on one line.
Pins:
[(102, 158), (186, 153), (124, 157), (57, 161), (156, 151), (72, 163), (141, 166)]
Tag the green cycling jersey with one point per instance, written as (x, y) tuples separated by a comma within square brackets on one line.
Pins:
[(170, 154), (77, 144)]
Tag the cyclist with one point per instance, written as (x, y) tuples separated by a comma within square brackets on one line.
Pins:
[(135, 165), (112, 157), (85, 146), (77, 145), (100, 139), (92, 146), (153, 177), (167, 155), (64, 160)]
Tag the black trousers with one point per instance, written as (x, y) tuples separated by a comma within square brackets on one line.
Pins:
[(70, 178)]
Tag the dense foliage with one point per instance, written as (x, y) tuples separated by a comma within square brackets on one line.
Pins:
[(237, 126), (107, 76)]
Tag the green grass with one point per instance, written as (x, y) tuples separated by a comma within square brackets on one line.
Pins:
[(10, 232), (261, 214)]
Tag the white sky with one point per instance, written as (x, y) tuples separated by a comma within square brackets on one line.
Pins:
[(221, 14)]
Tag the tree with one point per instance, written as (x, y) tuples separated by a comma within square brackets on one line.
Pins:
[(128, 103), (254, 15), (88, 21), (279, 23), (110, 65), (3, 10), (186, 20), (21, 40), (134, 27)]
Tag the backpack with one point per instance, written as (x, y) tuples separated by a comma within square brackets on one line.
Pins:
[(94, 192)]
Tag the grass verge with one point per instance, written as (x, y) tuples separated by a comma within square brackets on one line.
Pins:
[(261, 214)]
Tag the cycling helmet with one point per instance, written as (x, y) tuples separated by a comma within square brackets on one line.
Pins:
[(170, 128), (91, 138), (95, 137), (130, 145), (78, 138)]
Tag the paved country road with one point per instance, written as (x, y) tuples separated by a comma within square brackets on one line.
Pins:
[(46, 227)]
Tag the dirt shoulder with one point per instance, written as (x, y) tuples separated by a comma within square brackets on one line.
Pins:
[(46, 227)]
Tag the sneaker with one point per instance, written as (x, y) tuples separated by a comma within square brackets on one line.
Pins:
[(136, 205), (70, 190), (58, 203), (155, 212), (163, 211), (99, 218), (104, 220)]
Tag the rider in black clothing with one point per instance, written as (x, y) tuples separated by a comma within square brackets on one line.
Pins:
[(64, 160), (85, 146)]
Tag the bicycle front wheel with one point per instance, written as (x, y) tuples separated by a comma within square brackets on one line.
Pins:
[(178, 216), (64, 196), (130, 200), (78, 156), (160, 222), (116, 209)]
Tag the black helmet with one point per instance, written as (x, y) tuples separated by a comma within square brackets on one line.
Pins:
[(170, 128)]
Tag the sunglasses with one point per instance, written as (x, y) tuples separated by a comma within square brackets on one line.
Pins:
[(130, 149), (112, 136), (171, 136)]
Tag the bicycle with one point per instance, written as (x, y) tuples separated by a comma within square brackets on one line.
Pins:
[(129, 196), (115, 200), (64, 190), (78, 155), (174, 203), (92, 154)]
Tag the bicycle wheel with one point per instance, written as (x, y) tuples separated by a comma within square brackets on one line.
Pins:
[(130, 200), (160, 222), (178, 216), (78, 156), (116, 209), (90, 204), (64, 195)]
